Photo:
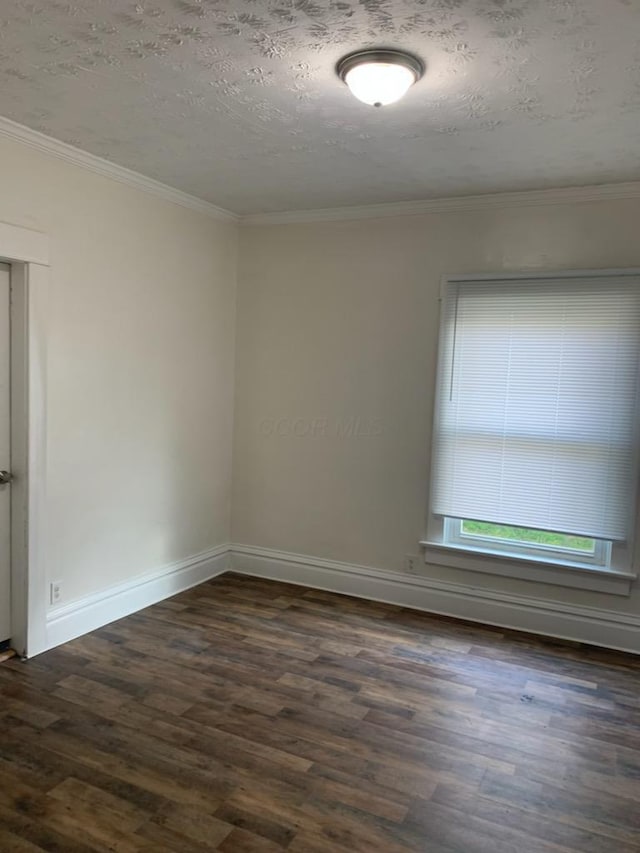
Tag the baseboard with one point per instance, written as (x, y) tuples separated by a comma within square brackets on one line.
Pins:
[(94, 611), (599, 627)]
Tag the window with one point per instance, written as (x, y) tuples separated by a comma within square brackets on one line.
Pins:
[(535, 429)]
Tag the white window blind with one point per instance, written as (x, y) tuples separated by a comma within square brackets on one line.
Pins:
[(536, 405)]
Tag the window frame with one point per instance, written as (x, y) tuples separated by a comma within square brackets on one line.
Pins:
[(533, 563), (454, 535)]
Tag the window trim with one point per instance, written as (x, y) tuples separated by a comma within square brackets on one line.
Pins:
[(528, 568), (616, 578), (454, 535)]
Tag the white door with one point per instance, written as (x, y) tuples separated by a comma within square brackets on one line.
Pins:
[(5, 460)]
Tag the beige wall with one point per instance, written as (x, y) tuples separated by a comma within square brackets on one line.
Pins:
[(335, 366), (335, 362), (140, 371)]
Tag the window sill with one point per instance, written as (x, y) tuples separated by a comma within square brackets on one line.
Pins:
[(579, 576)]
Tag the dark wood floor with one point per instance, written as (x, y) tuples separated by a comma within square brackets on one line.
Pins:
[(247, 715)]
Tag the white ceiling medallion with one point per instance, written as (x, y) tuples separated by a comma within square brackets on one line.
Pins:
[(380, 76)]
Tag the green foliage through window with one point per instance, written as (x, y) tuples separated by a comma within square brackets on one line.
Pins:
[(527, 536)]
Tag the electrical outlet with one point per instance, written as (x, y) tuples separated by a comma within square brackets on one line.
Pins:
[(411, 563), (55, 592)]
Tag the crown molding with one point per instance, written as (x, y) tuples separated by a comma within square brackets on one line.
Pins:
[(529, 198), (70, 154), (456, 204)]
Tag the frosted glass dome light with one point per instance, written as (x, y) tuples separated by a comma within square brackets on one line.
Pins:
[(379, 77)]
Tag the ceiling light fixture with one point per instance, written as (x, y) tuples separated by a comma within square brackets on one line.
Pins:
[(379, 76)]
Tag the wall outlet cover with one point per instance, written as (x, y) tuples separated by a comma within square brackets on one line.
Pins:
[(55, 592), (412, 563)]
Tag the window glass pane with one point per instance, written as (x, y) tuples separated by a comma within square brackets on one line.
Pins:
[(528, 536)]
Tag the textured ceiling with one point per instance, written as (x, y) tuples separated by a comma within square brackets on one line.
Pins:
[(237, 102)]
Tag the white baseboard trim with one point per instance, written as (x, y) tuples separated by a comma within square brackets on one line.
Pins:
[(599, 627), (608, 628), (94, 611)]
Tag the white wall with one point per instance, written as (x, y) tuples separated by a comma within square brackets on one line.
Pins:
[(335, 363), (335, 367), (140, 371)]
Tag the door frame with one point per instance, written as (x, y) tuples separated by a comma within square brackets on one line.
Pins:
[(27, 252)]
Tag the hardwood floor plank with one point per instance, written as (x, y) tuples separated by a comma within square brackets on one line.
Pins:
[(41, 837), (540, 827), (10, 843), (195, 824), (242, 841), (249, 716), (597, 812), (258, 827)]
